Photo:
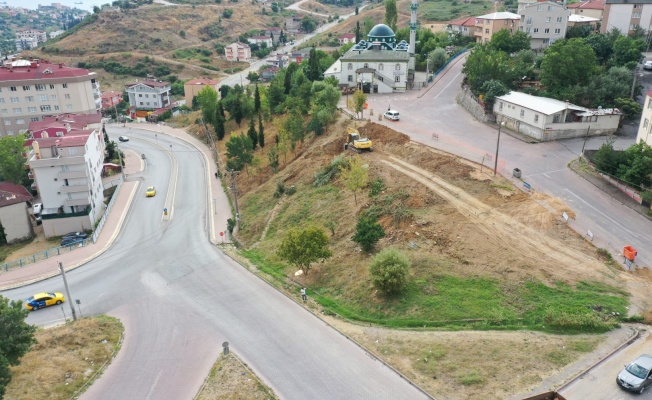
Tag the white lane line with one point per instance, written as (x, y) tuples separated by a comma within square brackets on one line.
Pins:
[(603, 215)]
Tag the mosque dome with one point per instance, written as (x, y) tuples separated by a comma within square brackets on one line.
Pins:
[(381, 33)]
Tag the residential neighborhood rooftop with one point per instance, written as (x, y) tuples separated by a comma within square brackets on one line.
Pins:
[(11, 193), (581, 18), (469, 21), (151, 83), (19, 70), (500, 15), (544, 105), (589, 5), (78, 139), (202, 81)]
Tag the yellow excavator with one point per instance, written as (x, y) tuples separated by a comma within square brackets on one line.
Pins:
[(356, 143)]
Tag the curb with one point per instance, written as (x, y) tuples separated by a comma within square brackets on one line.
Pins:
[(367, 351), (577, 376)]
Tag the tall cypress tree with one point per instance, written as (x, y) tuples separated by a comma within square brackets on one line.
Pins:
[(261, 132), (218, 123), (358, 34), (313, 65), (253, 135), (256, 100)]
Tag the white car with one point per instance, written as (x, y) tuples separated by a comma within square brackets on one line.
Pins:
[(647, 65), (392, 115), (123, 139), (37, 207)]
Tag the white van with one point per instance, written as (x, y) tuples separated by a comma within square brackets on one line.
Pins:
[(392, 115)]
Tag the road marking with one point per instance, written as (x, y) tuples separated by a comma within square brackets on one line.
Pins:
[(440, 92), (149, 394), (601, 213)]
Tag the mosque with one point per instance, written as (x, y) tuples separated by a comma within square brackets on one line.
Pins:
[(378, 64)]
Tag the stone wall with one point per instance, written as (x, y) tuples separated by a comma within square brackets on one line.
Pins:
[(467, 100)]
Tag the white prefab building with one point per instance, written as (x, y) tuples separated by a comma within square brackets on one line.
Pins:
[(546, 119), (645, 127), (67, 171), (378, 65)]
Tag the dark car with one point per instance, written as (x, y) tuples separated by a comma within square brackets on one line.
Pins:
[(74, 235), (123, 139), (71, 241), (637, 376)]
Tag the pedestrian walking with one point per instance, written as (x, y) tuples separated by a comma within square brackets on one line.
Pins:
[(303, 295)]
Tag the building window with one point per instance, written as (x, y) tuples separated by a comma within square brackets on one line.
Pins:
[(141, 103), (636, 15), (645, 123), (397, 67), (68, 107), (4, 111), (15, 99), (536, 118), (148, 103), (527, 30), (67, 96), (13, 88), (26, 88), (46, 108), (34, 119), (350, 78), (536, 30), (31, 109), (350, 66), (51, 86), (486, 31), (522, 112), (381, 67), (546, 41), (638, 5), (42, 97), (2, 100), (54, 97), (397, 78), (558, 31), (20, 121), (7, 122), (39, 88), (500, 106), (65, 86), (529, 21), (147, 96), (73, 150), (140, 95), (56, 108), (10, 132), (538, 8), (548, 19), (547, 30), (559, 19), (29, 99), (549, 8), (649, 105)]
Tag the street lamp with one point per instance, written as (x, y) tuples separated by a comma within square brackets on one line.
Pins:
[(497, 145)]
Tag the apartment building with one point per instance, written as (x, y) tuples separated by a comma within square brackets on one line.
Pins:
[(545, 22), (464, 26), (267, 40), (237, 52), (67, 173), (626, 15), (61, 125), (149, 94), (40, 36), (487, 25), (644, 133), (111, 99), (33, 89)]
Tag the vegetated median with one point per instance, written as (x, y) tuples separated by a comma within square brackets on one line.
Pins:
[(489, 267)]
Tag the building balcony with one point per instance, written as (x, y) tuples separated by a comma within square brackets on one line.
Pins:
[(73, 189), (86, 211), (56, 161)]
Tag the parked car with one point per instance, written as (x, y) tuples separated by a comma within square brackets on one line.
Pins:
[(45, 299), (647, 65), (37, 207), (392, 115), (71, 235), (71, 241), (637, 376), (123, 139), (151, 191)]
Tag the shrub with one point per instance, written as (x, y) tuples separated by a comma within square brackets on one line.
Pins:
[(280, 190), (291, 190), (389, 270), (367, 233), (227, 13), (230, 224), (330, 172)]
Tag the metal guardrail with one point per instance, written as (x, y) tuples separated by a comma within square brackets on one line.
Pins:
[(56, 251)]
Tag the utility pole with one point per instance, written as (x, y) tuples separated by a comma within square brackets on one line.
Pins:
[(497, 145), (122, 168), (65, 283), (634, 73), (234, 188), (585, 139)]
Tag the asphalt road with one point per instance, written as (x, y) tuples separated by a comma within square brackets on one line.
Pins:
[(180, 298), (543, 165)]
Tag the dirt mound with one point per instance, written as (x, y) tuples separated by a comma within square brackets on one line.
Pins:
[(380, 134)]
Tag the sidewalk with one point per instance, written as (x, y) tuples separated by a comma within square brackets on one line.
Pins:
[(48, 268)]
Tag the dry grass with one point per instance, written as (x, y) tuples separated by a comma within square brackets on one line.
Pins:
[(65, 358), (231, 379)]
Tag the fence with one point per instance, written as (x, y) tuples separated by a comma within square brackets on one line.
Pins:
[(56, 251), (429, 79)]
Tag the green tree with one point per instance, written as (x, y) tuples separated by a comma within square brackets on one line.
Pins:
[(294, 127), (12, 162), (629, 107), (257, 100), (252, 76), (627, 51), (493, 89), (3, 235), (182, 34), (218, 122), (604, 89), (272, 157), (389, 271), (16, 338), (261, 132), (391, 14), (484, 64), (314, 72), (438, 58), (359, 100), (287, 79), (239, 152), (207, 100), (354, 176), (308, 24), (567, 63), (303, 247), (358, 33), (367, 233), (602, 47), (368, 25), (275, 7), (253, 135), (357, 10)]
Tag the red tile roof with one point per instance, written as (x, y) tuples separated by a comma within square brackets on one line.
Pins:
[(348, 36), (76, 121), (10, 193), (40, 70), (202, 81), (589, 5), (65, 141), (110, 94), (469, 21)]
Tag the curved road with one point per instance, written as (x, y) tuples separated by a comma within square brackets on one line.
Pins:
[(180, 298)]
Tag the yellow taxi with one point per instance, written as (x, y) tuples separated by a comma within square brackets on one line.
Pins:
[(151, 191), (41, 300)]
